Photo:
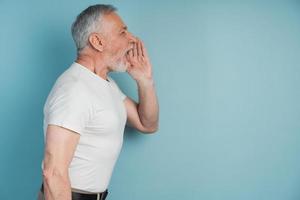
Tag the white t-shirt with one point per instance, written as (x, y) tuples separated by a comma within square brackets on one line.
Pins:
[(93, 107)]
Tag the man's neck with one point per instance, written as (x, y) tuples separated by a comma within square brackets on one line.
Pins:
[(96, 66)]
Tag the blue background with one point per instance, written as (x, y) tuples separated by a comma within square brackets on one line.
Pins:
[(227, 75)]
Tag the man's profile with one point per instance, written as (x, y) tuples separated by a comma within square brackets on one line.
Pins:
[(86, 112)]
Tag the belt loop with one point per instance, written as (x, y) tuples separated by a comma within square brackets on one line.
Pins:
[(104, 194)]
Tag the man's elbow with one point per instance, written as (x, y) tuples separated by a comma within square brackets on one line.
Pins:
[(54, 174), (151, 130)]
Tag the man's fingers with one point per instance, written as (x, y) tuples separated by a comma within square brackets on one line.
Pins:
[(144, 51), (139, 48), (135, 53), (127, 56), (130, 53)]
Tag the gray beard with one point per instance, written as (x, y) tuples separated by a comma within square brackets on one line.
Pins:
[(120, 66)]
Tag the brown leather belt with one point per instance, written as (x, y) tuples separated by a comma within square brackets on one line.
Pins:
[(82, 196)]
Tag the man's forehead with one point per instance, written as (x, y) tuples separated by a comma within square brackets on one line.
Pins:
[(115, 21)]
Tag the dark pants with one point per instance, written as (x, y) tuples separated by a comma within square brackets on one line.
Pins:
[(77, 196)]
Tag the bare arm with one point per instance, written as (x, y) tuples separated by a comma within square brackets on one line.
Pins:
[(59, 149), (148, 104), (144, 115)]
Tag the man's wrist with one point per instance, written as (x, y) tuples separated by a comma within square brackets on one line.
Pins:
[(145, 82)]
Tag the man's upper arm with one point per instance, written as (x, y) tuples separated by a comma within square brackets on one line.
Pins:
[(133, 119), (59, 149)]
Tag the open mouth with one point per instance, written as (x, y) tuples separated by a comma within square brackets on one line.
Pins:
[(126, 53), (128, 50)]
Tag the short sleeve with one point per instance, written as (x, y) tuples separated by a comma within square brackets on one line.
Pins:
[(69, 109), (115, 85)]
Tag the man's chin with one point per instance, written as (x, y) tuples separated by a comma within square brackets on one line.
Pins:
[(120, 66), (119, 69)]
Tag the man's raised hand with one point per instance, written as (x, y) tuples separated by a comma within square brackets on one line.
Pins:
[(139, 68)]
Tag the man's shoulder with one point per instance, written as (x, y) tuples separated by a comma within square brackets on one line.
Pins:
[(70, 80), (70, 87), (69, 84), (66, 94)]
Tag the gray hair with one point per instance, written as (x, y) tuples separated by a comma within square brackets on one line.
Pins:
[(88, 21)]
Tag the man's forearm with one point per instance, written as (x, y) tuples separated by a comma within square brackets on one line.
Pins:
[(57, 187), (148, 107)]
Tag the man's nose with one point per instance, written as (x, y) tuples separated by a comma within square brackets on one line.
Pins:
[(132, 38)]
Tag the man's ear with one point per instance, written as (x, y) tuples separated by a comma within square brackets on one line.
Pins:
[(97, 41)]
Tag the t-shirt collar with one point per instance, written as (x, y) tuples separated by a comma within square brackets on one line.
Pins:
[(91, 74)]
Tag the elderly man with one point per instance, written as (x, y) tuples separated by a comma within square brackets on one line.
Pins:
[(86, 112)]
